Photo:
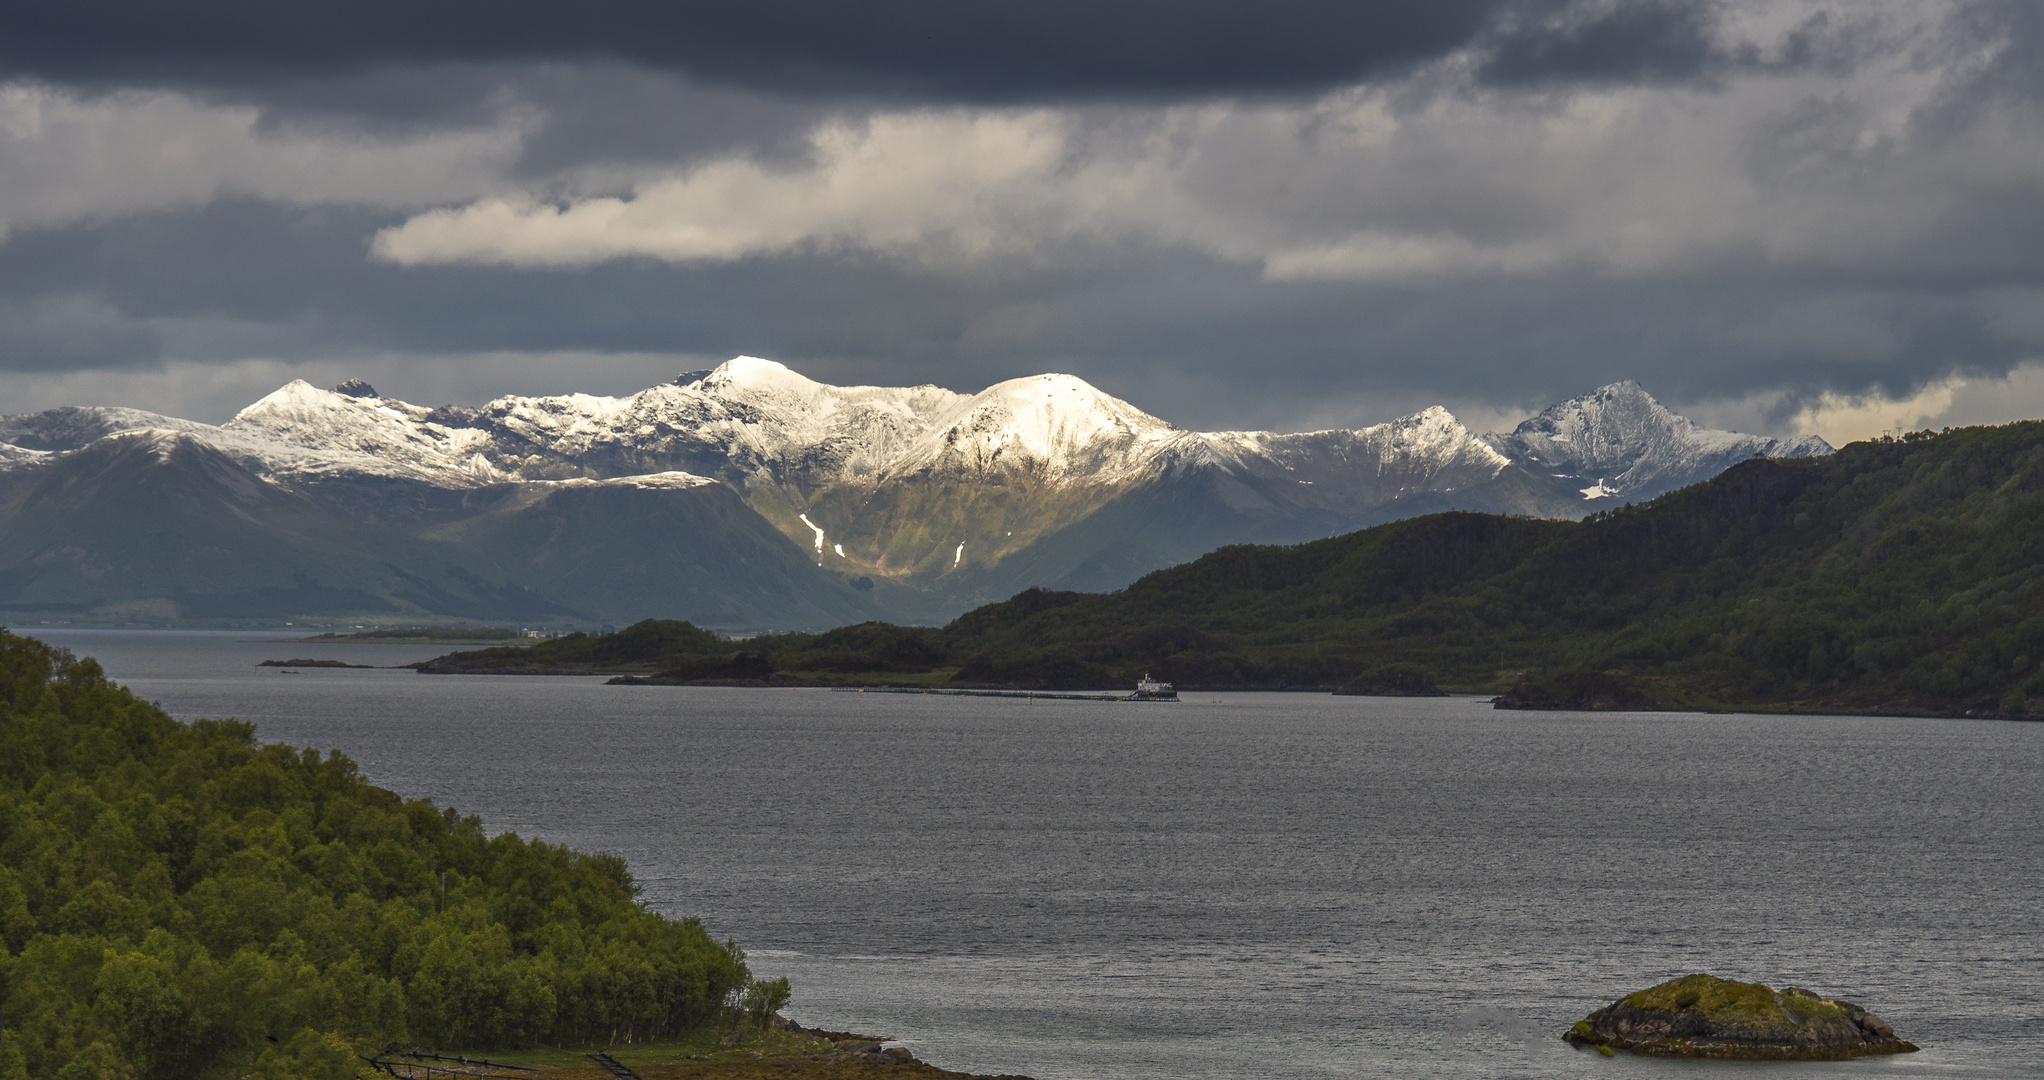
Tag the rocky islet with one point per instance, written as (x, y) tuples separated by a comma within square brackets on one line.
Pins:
[(1703, 1016)]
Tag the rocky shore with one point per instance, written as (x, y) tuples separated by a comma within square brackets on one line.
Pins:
[(1703, 1016)]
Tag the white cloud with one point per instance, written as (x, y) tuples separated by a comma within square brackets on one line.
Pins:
[(894, 183), (1844, 418), (1378, 256), (1861, 166), (1951, 402), (68, 157), (1865, 167)]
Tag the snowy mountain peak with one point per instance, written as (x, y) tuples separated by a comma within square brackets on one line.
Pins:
[(1626, 444), (1435, 432), (1049, 408), (751, 414), (1058, 425), (955, 498), (1604, 419), (303, 414), (296, 398), (899, 477), (751, 373), (301, 430)]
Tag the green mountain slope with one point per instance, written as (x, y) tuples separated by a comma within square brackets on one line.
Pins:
[(1899, 575)]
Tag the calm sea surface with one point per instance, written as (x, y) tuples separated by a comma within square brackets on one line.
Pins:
[(1240, 885)]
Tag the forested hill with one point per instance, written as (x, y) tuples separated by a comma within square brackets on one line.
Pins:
[(179, 902), (1898, 575)]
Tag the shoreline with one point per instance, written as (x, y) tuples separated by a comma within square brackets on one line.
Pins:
[(628, 678), (785, 1050)]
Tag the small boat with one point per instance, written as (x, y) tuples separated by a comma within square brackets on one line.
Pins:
[(1151, 690)]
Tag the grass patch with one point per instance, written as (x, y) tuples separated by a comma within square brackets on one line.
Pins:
[(1725, 1001), (1710, 995)]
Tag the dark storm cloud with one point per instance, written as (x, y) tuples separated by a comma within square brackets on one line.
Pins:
[(988, 50), (1646, 41), (1592, 190), (600, 111)]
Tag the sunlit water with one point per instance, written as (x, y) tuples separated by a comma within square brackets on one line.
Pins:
[(1238, 885)]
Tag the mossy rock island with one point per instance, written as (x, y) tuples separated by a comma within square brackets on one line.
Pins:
[(1703, 1016)]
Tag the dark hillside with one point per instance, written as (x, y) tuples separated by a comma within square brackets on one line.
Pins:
[(1898, 575), (633, 553), (154, 527), (1902, 575)]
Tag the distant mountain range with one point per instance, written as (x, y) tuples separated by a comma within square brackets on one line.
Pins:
[(744, 497)]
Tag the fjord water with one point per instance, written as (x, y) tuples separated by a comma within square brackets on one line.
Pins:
[(1239, 885)]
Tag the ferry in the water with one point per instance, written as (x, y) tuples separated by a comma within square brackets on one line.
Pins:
[(1151, 690)]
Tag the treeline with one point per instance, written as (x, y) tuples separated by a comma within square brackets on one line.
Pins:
[(1897, 575), (177, 901), (682, 652)]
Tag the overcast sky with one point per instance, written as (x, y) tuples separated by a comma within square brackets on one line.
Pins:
[(1777, 216)]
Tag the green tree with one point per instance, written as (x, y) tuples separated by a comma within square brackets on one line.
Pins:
[(765, 997), (177, 901)]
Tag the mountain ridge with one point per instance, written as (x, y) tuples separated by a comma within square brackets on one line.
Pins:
[(927, 499)]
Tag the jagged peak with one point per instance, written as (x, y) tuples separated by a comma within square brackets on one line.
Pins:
[(356, 388), (1435, 430), (583, 404), (1625, 399), (1433, 416)]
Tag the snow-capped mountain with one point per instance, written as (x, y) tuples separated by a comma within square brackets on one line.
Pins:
[(915, 501), (1355, 471), (1626, 446)]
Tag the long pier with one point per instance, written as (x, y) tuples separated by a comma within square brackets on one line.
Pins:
[(1033, 695)]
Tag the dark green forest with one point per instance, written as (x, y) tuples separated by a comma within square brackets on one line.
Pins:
[(177, 901), (1900, 575)]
